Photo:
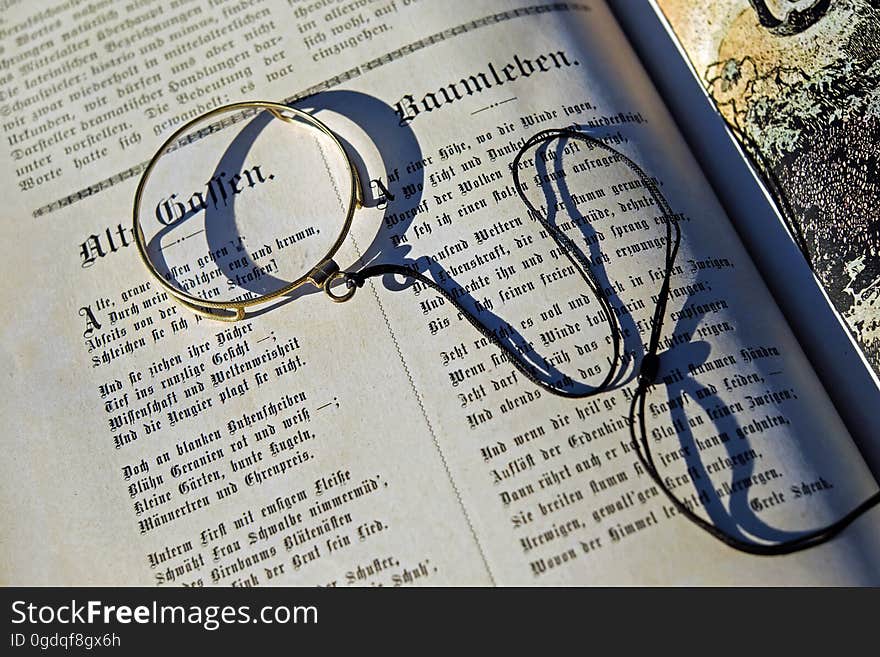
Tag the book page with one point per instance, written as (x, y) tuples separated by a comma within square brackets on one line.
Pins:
[(383, 441)]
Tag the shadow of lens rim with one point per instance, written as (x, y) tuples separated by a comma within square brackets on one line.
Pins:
[(220, 309)]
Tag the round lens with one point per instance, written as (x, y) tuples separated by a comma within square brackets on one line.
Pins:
[(244, 203)]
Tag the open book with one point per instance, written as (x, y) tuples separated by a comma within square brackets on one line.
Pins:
[(383, 441)]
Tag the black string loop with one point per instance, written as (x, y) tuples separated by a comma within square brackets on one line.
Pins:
[(649, 367)]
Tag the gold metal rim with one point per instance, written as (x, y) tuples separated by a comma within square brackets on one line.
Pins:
[(231, 311)]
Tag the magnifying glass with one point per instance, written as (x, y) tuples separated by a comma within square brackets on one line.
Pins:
[(227, 220)]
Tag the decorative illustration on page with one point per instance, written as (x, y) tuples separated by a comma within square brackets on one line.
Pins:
[(798, 81)]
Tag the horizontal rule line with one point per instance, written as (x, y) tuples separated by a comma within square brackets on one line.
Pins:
[(493, 105)]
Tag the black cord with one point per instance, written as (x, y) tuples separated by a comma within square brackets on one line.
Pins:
[(650, 364)]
